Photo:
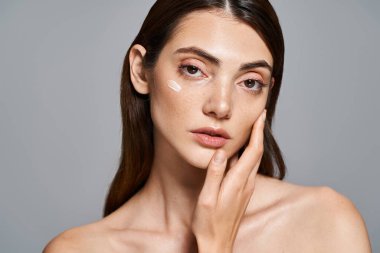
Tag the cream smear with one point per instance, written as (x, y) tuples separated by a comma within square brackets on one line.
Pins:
[(174, 86)]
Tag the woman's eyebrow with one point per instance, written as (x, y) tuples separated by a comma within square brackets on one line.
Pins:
[(199, 52), (202, 53), (256, 64)]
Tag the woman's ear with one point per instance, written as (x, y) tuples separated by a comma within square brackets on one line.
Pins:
[(137, 72)]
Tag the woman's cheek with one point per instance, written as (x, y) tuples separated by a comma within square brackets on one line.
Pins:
[(250, 119), (168, 100)]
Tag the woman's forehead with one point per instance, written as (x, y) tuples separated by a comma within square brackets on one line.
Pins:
[(220, 34)]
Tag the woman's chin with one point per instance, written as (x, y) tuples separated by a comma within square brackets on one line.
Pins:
[(200, 157), (200, 160), (201, 163)]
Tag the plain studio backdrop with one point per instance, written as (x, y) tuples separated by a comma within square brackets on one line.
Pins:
[(60, 125)]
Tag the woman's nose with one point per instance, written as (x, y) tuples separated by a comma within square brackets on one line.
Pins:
[(219, 101)]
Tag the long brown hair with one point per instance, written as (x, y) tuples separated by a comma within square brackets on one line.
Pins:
[(137, 133)]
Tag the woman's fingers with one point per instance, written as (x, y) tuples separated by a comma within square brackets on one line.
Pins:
[(249, 161), (251, 178), (243, 169), (224, 199), (215, 173), (232, 161)]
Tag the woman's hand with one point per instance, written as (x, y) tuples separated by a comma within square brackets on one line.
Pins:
[(223, 199)]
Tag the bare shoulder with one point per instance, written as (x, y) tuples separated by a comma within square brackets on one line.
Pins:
[(66, 241), (87, 238), (337, 221), (319, 218)]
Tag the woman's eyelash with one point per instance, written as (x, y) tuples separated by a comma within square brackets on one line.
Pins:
[(190, 70), (250, 83)]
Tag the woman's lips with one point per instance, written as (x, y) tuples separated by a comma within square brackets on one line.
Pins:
[(210, 137)]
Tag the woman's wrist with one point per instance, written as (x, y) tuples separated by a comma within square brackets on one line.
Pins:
[(210, 246), (212, 249)]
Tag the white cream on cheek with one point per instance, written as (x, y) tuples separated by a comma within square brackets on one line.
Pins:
[(174, 86)]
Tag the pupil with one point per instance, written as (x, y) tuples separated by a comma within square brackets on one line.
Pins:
[(192, 70), (250, 83)]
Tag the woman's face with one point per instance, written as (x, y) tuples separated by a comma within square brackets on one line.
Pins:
[(207, 87)]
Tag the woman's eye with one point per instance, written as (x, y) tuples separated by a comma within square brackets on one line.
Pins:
[(253, 85), (191, 70)]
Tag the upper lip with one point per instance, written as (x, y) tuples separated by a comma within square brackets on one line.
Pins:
[(212, 131)]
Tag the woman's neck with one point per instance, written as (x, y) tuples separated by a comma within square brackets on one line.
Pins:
[(172, 190)]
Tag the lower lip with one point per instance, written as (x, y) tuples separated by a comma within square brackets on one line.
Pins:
[(210, 141)]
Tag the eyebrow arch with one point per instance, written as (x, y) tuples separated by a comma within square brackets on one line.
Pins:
[(216, 61), (256, 64), (199, 52)]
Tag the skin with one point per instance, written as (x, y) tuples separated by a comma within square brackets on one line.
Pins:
[(193, 203)]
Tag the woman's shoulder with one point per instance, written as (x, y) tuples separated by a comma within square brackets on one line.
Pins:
[(322, 200), (97, 237), (67, 241), (87, 238), (279, 191), (311, 214)]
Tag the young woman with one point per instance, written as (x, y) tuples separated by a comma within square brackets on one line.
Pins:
[(200, 170)]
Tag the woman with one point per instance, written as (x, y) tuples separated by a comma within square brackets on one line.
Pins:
[(200, 170)]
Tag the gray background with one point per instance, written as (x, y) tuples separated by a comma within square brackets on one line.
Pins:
[(60, 64)]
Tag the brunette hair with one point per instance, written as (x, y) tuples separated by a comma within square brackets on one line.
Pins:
[(137, 133)]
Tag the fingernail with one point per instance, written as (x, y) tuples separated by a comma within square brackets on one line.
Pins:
[(264, 115), (219, 158)]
